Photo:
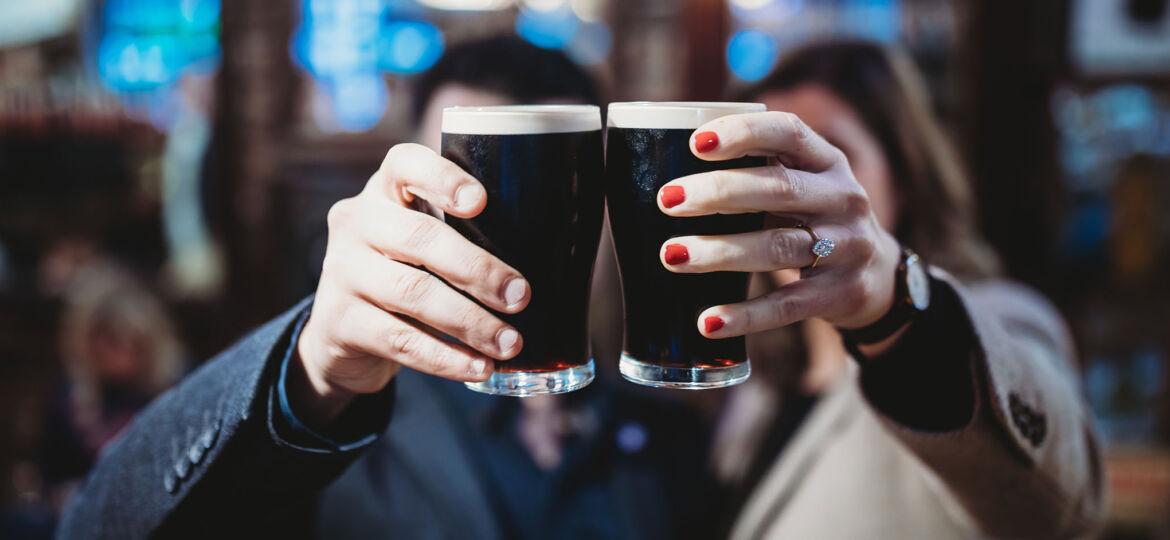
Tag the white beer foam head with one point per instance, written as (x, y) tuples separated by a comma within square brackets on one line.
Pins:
[(673, 114), (521, 119)]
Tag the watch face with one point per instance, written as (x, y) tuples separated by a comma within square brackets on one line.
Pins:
[(918, 283)]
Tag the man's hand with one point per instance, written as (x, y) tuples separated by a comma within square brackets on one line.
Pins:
[(380, 302)]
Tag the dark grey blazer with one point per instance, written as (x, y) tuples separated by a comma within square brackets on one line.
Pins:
[(205, 459)]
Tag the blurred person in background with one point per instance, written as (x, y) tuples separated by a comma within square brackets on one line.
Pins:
[(120, 350), (960, 418)]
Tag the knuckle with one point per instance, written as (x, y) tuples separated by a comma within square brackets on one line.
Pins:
[(800, 131), (340, 214), (469, 318), (719, 187), (403, 343), (414, 287), (332, 266), (856, 202), (419, 231), (779, 311), (858, 288), (400, 151), (438, 361), (446, 174), (783, 248), (478, 267), (865, 248), (786, 185)]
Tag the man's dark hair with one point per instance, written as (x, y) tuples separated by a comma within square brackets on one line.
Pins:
[(506, 65)]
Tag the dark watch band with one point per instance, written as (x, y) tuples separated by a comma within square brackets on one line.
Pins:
[(894, 319), (911, 295)]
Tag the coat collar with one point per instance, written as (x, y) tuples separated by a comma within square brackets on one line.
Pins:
[(830, 416)]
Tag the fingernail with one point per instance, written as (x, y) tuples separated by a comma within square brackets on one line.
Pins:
[(514, 292), (465, 197), (478, 366), (706, 141), (712, 324), (673, 196), (677, 254), (507, 339)]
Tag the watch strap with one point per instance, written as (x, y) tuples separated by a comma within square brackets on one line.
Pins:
[(900, 313), (894, 319)]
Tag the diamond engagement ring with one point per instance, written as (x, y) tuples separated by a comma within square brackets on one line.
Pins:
[(821, 247)]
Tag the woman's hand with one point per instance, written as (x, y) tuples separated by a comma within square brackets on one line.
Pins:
[(808, 182), (380, 298)]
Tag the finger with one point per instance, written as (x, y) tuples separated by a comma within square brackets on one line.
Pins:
[(742, 191), (398, 288), (794, 302), (771, 133), (413, 170), (378, 333), (420, 239), (756, 251)]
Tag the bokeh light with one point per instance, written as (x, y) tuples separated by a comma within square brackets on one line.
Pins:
[(591, 44), (347, 46), (410, 46), (879, 20), (750, 4), (468, 5), (147, 45), (751, 54), (359, 100), (549, 29)]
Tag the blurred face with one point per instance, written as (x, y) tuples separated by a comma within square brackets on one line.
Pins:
[(430, 130), (119, 356), (838, 123)]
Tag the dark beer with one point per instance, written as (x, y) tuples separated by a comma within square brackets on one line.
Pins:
[(649, 145), (542, 167)]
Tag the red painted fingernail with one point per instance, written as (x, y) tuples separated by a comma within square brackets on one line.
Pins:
[(673, 196), (677, 254), (706, 141), (712, 324)]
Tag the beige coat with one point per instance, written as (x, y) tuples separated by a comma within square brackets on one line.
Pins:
[(850, 472)]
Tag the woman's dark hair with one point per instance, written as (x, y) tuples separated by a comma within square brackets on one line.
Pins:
[(936, 215), (506, 65)]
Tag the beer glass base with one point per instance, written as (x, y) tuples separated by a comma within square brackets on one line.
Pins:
[(643, 373), (525, 383)]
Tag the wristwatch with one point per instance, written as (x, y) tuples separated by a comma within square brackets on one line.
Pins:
[(911, 296)]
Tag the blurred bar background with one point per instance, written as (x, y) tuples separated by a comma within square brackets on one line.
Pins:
[(194, 148)]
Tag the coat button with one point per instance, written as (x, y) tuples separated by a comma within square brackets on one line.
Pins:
[(1040, 429), (209, 436), (182, 468), (1031, 424), (170, 483), (195, 453)]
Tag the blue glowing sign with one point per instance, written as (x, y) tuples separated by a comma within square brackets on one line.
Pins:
[(410, 46), (148, 44), (347, 45)]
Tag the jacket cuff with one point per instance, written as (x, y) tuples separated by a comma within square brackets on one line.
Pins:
[(356, 428), (927, 380)]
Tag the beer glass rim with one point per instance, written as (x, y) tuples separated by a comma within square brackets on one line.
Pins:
[(674, 114), (521, 119)]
